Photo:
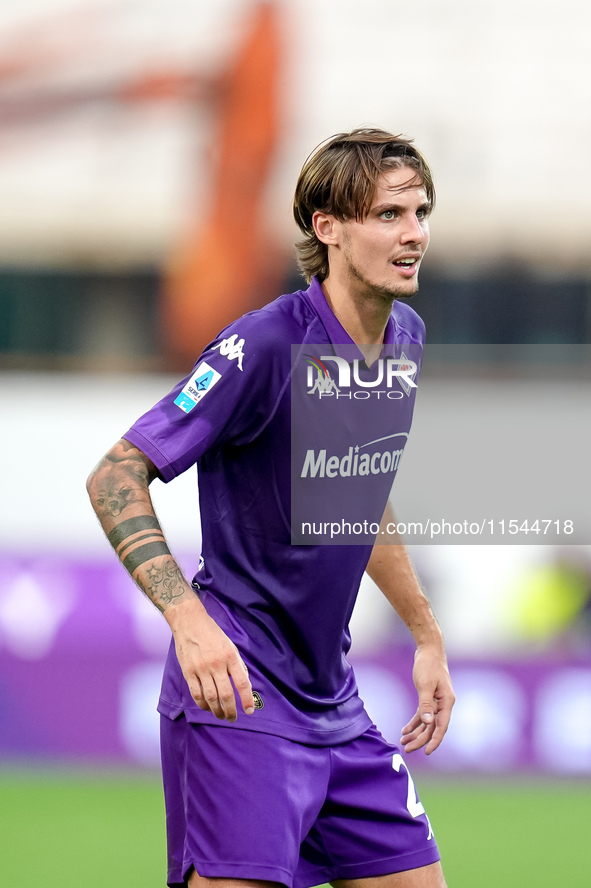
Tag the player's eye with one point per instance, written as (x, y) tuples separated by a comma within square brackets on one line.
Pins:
[(388, 214), (423, 213)]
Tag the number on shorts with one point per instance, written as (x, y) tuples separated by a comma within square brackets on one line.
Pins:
[(415, 808)]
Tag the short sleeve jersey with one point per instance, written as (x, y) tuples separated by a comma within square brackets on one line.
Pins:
[(285, 606)]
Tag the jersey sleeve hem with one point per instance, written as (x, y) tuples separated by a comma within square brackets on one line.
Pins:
[(161, 462)]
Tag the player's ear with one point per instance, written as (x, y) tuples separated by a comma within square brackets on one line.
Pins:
[(326, 227)]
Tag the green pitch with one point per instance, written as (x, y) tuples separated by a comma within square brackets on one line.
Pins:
[(513, 834), (96, 830)]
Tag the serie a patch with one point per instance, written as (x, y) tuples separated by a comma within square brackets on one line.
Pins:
[(202, 380)]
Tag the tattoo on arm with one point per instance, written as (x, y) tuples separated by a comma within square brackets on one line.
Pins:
[(138, 541), (125, 529), (164, 583), (120, 479), (146, 552), (118, 489)]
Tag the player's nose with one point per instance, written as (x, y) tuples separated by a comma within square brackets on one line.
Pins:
[(415, 230)]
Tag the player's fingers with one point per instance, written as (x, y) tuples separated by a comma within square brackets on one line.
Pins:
[(413, 724), (210, 694), (412, 736), (226, 697), (434, 741), (196, 690), (239, 674), (417, 733), (418, 738), (427, 709), (442, 724)]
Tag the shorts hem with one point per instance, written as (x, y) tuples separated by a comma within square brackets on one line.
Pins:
[(382, 867), (220, 870)]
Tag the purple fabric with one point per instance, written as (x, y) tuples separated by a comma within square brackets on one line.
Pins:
[(245, 805), (88, 694), (286, 607), (277, 714)]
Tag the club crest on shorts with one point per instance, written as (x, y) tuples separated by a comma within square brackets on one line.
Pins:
[(258, 700)]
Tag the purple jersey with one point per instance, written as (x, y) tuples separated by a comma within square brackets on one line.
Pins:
[(286, 606)]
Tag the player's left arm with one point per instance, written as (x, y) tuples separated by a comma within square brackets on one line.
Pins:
[(391, 569)]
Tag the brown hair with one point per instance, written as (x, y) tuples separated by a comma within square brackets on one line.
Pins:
[(340, 178)]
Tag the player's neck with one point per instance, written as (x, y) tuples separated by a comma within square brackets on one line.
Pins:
[(363, 318)]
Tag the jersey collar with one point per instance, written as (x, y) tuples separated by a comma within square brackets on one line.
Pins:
[(338, 336)]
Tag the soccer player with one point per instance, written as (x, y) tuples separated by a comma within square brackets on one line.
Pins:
[(273, 771)]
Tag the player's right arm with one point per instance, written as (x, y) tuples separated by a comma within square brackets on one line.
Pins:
[(118, 490)]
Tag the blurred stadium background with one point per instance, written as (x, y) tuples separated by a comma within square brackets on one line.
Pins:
[(148, 152)]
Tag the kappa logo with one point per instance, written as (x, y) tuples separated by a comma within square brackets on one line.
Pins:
[(324, 383), (203, 379), (232, 349)]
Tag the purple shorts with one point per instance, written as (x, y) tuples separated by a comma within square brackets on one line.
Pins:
[(245, 805)]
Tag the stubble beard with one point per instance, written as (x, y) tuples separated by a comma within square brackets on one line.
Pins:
[(380, 295)]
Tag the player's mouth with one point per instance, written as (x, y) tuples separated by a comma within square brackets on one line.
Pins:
[(407, 266)]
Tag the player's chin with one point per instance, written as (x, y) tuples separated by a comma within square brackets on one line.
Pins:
[(408, 290), (406, 287)]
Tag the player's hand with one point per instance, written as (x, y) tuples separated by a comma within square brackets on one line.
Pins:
[(210, 662), (436, 698)]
